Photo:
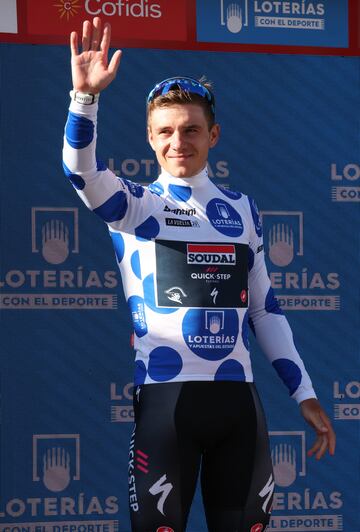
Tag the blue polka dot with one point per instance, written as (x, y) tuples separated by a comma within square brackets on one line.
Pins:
[(156, 188), (245, 330), (224, 218), (100, 165), (164, 364), (79, 131), (230, 370), (114, 208), (251, 258), (134, 188), (137, 309), (289, 372), (232, 194), (76, 180), (180, 192), (256, 217), (147, 230), (271, 303), (211, 334), (119, 245), (135, 264), (149, 295), (140, 372)]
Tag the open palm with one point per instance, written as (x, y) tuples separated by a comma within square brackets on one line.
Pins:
[(91, 70)]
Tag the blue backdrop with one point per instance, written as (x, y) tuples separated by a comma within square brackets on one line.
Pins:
[(290, 138)]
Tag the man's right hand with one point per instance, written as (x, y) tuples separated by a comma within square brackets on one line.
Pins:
[(91, 71)]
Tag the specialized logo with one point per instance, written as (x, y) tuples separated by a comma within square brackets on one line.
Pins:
[(165, 529), (176, 294), (163, 488), (211, 254), (266, 493), (214, 295)]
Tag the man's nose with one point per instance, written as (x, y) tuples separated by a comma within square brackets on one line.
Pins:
[(177, 140)]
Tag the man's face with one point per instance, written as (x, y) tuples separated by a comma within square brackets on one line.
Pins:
[(180, 136)]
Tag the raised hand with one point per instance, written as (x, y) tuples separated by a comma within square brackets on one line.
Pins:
[(91, 71)]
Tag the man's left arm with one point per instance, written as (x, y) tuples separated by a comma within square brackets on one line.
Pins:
[(275, 338)]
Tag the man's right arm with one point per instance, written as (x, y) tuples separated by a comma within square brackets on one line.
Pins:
[(109, 197)]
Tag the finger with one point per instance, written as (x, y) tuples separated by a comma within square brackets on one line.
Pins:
[(330, 434), (74, 43), (315, 447), (114, 63), (105, 41), (322, 449), (86, 35), (96, 34)]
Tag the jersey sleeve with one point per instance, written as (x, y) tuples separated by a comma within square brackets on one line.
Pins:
[(122, 204), (270, 326)]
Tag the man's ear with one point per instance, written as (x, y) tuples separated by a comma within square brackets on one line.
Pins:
[(149, 136), (214, 135)]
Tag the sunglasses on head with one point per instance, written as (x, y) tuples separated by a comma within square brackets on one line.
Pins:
[(190, 85)]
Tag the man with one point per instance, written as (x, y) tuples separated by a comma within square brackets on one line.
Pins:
[(192, 261)]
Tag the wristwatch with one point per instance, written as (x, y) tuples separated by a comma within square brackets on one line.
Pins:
[(83, 97)]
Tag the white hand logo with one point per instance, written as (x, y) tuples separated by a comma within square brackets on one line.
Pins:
[(281, 245), (284, 462), (55, 242), (234, 18), (56, 464), (215, 324)]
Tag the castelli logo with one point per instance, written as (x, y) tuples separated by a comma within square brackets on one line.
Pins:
[(165, 529), (257, 528)]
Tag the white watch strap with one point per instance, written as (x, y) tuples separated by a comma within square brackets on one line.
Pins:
[(83, 97)]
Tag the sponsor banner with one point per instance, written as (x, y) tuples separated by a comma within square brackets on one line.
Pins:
[(130, 19), (121, 407), (347, 178), (302, 23), (351, 392), (297, 286), (201, 275), (63, 526), (296, 505), (309, 302), (302, 523), (8, 17), (51, 283), (58, 301)]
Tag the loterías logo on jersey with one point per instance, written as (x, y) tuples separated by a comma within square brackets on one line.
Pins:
[(211, 254)]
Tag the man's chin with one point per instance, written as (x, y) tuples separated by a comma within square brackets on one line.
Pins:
[(181, 171)]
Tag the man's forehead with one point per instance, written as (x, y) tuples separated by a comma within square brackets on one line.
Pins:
[(177, 113)]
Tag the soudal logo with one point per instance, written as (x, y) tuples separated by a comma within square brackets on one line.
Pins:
[(211, 254)]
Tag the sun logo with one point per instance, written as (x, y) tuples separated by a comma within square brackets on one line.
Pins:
[(68, 8)]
